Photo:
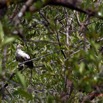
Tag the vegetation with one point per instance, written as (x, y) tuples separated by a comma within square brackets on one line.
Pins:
[(65, 46)]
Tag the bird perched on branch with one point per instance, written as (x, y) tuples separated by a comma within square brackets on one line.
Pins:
[(23, 57)]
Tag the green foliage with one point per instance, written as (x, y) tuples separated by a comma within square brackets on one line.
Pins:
[(80, 61)]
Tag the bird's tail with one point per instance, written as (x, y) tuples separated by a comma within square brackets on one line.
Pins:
[(29, 64)]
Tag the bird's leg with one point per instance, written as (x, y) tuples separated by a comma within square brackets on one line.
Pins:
[(20, 66)]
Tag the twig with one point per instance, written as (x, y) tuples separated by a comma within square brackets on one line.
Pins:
[(22, 11), (4, 58), (60, 45)]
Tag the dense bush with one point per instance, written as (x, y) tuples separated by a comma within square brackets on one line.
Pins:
[(66, 49)]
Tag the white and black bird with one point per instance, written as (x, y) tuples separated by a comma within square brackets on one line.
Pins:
[(22, 56)]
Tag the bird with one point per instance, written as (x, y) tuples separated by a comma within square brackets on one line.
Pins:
[(22, 57)]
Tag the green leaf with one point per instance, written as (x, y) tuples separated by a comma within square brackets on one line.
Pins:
[(1, 33), (23, 93), (82, 66), (21, 79), (9, 40)]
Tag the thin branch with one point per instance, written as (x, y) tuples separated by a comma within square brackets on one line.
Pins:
[(4, 58), (22, 11), (60, 46)]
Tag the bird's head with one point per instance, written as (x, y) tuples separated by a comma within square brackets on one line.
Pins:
[(19, 46)]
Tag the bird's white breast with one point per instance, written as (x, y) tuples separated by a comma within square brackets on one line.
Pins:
[(23, 54)]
